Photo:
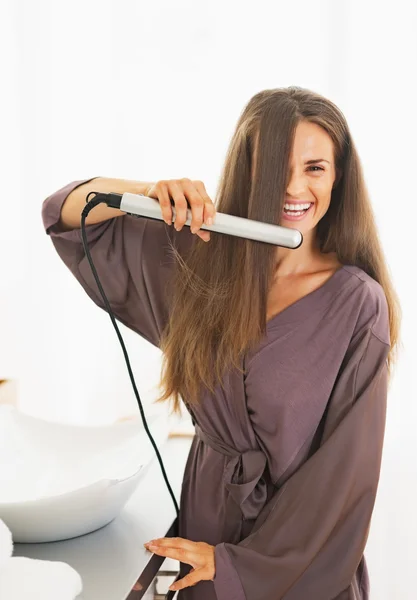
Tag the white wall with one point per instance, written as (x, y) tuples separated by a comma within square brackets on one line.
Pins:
[(151, 91), (124, 90), (379, 88)]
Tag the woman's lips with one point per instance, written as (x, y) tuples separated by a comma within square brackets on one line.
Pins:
[(300, 217)]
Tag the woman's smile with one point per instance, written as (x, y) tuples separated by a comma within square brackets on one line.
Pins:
[(296, 212)]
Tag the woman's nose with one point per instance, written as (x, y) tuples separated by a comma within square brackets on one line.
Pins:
[(296, 186)]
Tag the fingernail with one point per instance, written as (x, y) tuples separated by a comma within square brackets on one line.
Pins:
[(209, 221)]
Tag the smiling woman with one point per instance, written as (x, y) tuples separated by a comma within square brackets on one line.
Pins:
[(282, 357)]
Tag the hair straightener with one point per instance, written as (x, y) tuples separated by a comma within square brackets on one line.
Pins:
[(143, 206), (139, 206)]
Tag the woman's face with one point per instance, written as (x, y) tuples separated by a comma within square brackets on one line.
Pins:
[(310, 183)]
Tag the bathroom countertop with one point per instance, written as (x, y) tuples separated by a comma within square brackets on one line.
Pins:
[(112, 559)]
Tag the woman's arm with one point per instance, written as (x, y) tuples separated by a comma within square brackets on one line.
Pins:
[(131, 255), (70, 217)]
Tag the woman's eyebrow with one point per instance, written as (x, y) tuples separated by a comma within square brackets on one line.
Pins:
[(316, 160)]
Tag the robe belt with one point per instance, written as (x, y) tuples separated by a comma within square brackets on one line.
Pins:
[(242, 476)]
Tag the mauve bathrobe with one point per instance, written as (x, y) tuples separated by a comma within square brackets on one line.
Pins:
[(283, 470)]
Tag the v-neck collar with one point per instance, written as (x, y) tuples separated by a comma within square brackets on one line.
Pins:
[(307, 303)]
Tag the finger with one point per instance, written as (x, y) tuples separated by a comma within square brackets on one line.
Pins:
[(189, 580), (165, 202), (181, 205), (203, 234), (196, 202), (176, 542), (209, 207), (180, 554)]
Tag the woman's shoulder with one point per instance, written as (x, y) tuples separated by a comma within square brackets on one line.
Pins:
[(372, 301)]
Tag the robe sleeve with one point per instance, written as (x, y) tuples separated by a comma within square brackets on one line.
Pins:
[(133, 259), (309, 539)]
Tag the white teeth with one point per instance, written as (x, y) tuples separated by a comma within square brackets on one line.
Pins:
[(297, 206)]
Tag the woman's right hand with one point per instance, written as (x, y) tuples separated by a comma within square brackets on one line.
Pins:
[(181, 191)]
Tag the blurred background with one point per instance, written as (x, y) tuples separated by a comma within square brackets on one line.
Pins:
[(153, 90)]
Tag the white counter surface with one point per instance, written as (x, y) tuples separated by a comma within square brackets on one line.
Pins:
[(112, 559)]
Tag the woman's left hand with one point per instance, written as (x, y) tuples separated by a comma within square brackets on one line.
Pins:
[(197, 554)]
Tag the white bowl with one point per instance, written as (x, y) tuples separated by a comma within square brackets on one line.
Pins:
[(60, 481)]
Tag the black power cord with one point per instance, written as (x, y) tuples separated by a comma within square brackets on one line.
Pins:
[(99, 199)]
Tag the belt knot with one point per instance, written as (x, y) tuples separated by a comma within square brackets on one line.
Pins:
[(243, 475)]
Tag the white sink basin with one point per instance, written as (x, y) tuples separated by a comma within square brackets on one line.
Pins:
[(60, 481)]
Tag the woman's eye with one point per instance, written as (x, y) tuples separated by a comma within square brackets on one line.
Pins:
[(316, 167)]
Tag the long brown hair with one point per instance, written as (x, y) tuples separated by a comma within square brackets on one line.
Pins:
[(220, 290)]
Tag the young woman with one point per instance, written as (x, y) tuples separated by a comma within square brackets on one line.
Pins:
[(282, 357)]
